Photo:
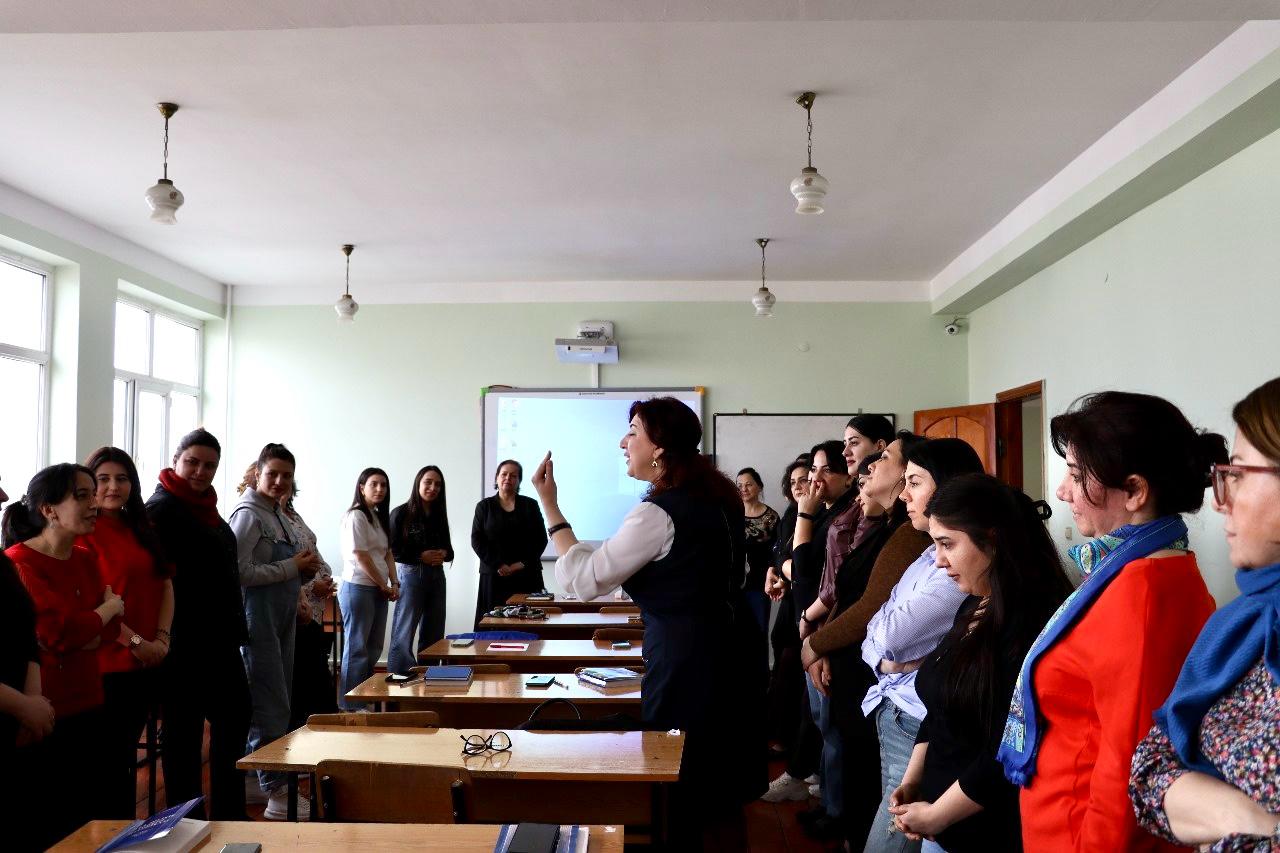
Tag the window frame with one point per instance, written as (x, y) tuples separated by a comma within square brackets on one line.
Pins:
[(137, 383), (43, 356)]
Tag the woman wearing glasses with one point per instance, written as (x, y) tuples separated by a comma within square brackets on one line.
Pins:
[(1109, 656), (1208, 772), (679, 554)]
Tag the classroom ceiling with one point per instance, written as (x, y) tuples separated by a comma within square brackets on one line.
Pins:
[(567, 141)]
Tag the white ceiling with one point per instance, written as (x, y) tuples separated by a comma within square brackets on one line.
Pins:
[(645, 141)]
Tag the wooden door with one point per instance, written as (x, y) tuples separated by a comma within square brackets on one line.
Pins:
[(989, 428)]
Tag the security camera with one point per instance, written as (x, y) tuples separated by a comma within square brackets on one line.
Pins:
[(952, 328)]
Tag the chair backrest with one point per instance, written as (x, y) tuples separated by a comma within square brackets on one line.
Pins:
[(620, 611), (631, 635), (408, 719), (548, 610), (369, 792)]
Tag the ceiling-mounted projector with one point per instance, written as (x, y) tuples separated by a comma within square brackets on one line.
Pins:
[(594, 345)]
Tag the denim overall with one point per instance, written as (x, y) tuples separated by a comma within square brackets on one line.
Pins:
[(272, 612)]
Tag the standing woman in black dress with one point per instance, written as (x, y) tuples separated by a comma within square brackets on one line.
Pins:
[(508, 535), (992, 541), (679, 554)]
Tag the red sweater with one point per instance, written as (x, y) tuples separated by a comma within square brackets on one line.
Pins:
[(1097, 689), (132, 573), (65, 593)]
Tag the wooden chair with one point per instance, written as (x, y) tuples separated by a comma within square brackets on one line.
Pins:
[(613, 635), (478, 668), (406, 719), (620, 611), (368, 792)]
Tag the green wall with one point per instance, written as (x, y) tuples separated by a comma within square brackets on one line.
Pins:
[(1179, 300), (400, 388)]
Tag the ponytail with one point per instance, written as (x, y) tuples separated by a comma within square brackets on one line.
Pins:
[(23, 519)]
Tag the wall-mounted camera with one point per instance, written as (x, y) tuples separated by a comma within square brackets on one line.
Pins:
[(954, 327)]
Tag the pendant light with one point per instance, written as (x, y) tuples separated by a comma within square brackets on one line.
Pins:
[(346, 306), (763, 300), (164, 198), (810, 188)]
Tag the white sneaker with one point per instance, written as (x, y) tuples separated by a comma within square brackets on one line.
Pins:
[(785, 787), (278, 804), (253, 793), (815, 791)]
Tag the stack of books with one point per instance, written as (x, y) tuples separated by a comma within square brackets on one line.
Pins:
[(610, 677)]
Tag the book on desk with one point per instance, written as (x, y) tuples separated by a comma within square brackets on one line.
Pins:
[(447, 675), (169, 831), (601, 676), (572, 839)]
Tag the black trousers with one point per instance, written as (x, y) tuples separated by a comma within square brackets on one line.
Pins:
[(214, 688), (70, 780), (860, 755), (314, 691), (129, 698)]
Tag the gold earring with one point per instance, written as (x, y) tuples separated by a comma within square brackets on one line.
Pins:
[(653, 463)]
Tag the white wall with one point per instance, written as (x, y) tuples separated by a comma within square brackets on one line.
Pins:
[(1180, 300), (400, 388)]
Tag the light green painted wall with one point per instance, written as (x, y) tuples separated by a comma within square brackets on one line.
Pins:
[(400, 387), (1179, 300)]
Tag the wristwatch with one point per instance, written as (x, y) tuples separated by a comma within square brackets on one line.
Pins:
[(135, 641)]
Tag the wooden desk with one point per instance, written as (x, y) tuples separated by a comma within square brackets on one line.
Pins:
[(574, 605), (562, 626), (546, 776), (495, 700), (446, 838), (541, 656)]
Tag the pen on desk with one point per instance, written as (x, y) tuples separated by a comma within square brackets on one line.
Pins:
[(557, 683)]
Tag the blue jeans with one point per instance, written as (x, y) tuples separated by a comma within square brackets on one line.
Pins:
[(898, 731), (420, 610), (364, 626), (831, 771), (759, 604), (928, 846), (272, 614)]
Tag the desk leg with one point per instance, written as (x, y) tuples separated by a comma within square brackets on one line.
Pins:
[(661, 810), (291, 811)]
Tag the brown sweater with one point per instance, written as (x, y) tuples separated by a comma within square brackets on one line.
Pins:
[(849, 627)]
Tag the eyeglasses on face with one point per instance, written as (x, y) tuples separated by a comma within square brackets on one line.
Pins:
[(1226, 478)]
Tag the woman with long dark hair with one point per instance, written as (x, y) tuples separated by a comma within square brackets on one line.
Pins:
[(1109, 657), (130, 561), (75, 614), (421, 546), (273, 564), (992, 542), (1206, 773), (208, 630), (508, 535), (762, 533), (679, 555), (368, 580)]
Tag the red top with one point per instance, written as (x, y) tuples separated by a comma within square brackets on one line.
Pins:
[(1097, 689), (131, 572), (65, 593)]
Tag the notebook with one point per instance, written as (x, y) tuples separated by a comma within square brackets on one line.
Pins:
[(609, 676), (447, 674), (573, 839), (166, 832)]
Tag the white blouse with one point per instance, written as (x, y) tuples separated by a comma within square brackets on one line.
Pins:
[(359, 535), (646, 535)]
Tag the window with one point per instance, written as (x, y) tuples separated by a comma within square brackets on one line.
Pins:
[(157, 387), (24, 371)]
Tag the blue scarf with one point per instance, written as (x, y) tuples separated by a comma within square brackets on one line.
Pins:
[(1231, 643), (1022, 729)]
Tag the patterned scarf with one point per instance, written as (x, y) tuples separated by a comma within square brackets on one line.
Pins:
[(1107, 556)]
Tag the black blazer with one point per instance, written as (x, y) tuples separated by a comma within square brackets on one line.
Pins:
[(499, 537)]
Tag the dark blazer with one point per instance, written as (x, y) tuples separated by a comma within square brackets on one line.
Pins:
[(499, 537)]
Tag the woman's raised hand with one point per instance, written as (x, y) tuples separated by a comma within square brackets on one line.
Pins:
[(544, 481)]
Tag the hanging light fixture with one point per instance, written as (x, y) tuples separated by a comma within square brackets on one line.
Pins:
[(164, 198), (810, 188), (763, 300), (346, 306)]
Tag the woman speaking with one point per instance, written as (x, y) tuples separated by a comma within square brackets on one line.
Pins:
[(679, 555)]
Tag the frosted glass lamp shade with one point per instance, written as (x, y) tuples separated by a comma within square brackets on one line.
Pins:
[(164, 199), (809, 189), (764, 302), (346, 307)]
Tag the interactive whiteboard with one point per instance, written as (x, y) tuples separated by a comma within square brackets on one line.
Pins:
[(582, 428)]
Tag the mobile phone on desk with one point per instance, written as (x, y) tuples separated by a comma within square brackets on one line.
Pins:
[(241, 847), (534, 838), (539, 681), (461, 644), (397, 678), (621, 645)]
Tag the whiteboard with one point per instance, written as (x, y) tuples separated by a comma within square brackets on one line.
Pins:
[(581, 427), (771, 442)]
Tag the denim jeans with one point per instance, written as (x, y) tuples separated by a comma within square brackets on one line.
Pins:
[(928, 846), (272, 614), (898, 731), (364, 627), (831, 772), (419, 610), (759, 604)]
